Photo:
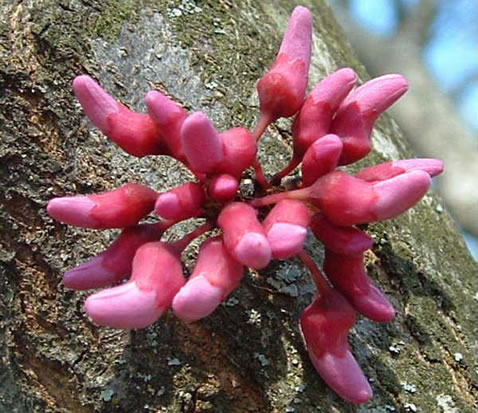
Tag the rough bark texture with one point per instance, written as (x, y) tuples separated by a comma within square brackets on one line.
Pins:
[(248, 356)]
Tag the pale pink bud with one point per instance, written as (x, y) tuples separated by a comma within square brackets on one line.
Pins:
[(215, 276), (342, 240), (239, 152), (244, 235), (136, 133), (223, 188), (122, 207), (169, 116), (321, 158), (348, 275), (282, 89), (325, 325), (356, 116), (202, 144), (315, 116), (115, 262), (390, 169), (181, 203), (286, 228), (157, 277)]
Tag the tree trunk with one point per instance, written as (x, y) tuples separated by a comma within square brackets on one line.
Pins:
[(248, 356)]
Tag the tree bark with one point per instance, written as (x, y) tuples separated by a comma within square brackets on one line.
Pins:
[(247, 356)]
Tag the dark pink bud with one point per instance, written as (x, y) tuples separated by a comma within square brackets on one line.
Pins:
[(342, 240), (348, 275), (321, 158), (136, 133), (315, 116), (239, 152), (169, 116), (356, 116), (122, 207), (202, 144), (157, 277), (325, 325), (282, 89), (181, 203), (115, 262), (390, 169), (286, 228), (223, 188), (244, 235), (215, 276)]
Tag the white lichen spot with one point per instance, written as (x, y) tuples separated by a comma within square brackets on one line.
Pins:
[(394, 350), (174, 362), (410, 388), (254, 317), (107, 395), (446, 403), (262, 359), (458, 357), (389, 408), (410, 407), (231, 302)]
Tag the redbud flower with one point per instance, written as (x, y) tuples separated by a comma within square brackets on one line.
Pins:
[(181, 203)]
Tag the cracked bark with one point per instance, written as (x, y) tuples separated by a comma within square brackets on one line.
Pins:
[(248, 356)]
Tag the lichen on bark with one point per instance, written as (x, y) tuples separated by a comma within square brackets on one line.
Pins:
[(248, 356)]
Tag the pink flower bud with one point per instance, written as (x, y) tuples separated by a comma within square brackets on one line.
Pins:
[(286, 228), (342, 240), (215, 276), (223, 188), (202, 145), (136, 133), (115, 262), (169, 116), (156, 279), (244, 236), (282, 89), (181, 203), (390, 169), (315, 116), (321, 158), (122, 207), (239, 152), (357, 114), (348, 275), (325, 325), (346, 200)]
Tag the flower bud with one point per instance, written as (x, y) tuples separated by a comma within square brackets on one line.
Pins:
[(180, 203), (223, 188)]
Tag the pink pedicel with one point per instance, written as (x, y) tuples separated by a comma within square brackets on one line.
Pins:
[(316, 114), (202, 145), (348, 275), (282, 89), (286, 228), (321, 158), (244, 236), (122, 207), (332, 127), (325, 325), (342, 240), (223, 188), (135, 133), (170, 117), (181, 203), (113, 264), (215, 276), (355, 118), (391, 169), (156, 278)]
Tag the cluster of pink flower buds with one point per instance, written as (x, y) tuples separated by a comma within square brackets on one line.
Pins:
[(332, 127)]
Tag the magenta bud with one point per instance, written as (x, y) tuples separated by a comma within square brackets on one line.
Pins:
[(244, 236), (316, 114), (282, 89), (355, 118), (239, 152), (113, 264), (321, 158), (122, 207), (390, 169), (181, 203), (202, 144), (342, 240), (136, 133), (223, 188), (286, 228)]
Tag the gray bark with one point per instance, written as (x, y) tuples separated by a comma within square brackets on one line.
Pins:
[(247, 356)]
